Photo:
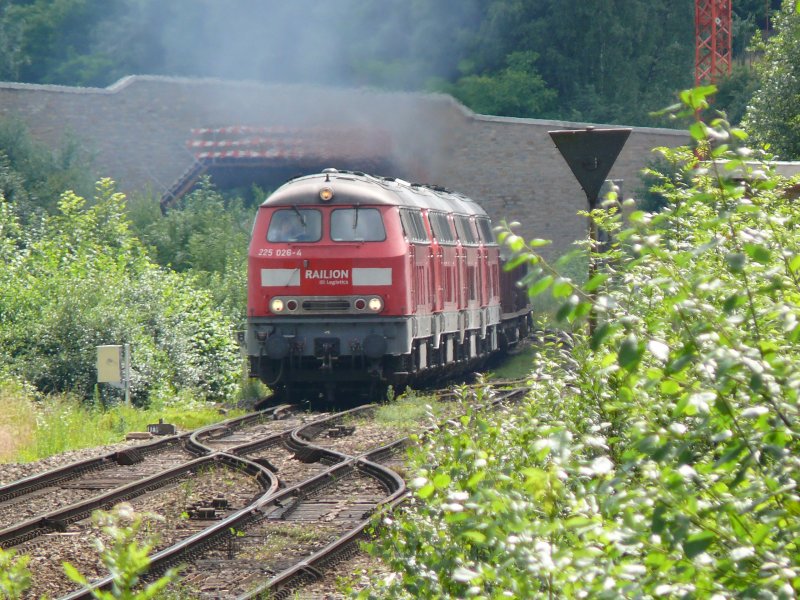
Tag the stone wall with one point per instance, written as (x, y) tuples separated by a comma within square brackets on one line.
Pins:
[(136, 131)]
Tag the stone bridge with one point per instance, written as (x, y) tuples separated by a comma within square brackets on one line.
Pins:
[(138, 130)]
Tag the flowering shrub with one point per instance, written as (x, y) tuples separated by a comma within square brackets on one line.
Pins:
[(658, 457)]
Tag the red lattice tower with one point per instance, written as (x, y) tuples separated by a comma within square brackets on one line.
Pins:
[(712, 46)]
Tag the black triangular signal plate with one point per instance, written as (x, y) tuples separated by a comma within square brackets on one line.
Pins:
[(590, 153)]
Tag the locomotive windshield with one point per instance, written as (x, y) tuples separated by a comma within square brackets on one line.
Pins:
[(295, 225), (357, 225)]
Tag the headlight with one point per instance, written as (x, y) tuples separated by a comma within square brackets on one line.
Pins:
[(276, 305), (375, 304)]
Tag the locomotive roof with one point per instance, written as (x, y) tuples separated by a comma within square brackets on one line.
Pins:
[(352, 187)]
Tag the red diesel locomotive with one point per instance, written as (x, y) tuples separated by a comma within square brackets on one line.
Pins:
[(363, 282)]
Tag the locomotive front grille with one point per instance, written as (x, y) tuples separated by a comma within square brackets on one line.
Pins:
[(327, 305)]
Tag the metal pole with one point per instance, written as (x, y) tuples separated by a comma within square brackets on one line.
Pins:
[(127, 374)]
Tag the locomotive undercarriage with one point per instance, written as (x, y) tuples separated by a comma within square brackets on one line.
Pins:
[(340, 367)]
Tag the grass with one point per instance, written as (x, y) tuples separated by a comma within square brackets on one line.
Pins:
[(285, 537), (17, 422), (515, 366), (32, 429), (408, 410)]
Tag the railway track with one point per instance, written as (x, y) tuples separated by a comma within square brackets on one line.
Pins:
[(256, 507), (72, 484)]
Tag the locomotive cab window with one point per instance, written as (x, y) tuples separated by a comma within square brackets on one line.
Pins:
[(357, 225), (413, 226), (485, 229), (465, 232), (295, 225), (440, 225)]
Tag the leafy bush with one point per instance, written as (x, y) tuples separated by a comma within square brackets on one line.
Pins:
[(205, 236), (657, 458), (82, 279), (33, 175), (15, 578), (124, 548)]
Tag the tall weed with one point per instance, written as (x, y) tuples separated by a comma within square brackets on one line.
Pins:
[(32, 429), (17, 420)]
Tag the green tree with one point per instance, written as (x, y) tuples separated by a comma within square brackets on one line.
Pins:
[(206, 237), (773, 116), (516, 91), (608, 61), (12, 54), (56, 39), (605, 61), (735, 92)]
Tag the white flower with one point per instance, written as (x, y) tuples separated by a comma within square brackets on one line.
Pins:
[(700, 401), (595, 441), (722, 436), (742, 552), (663, 590), (704, 559), (687, 472), (458, 496), (658, 349), (634, 569), (754, 412), (678, 428), (602, 465), (464, 574)]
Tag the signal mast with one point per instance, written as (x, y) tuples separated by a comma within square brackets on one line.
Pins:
[(713, 40)]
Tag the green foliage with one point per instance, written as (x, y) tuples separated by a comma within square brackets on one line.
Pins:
[(82, 279), (735, 93), (516, 91), (124, 549), (32, 176), (658, 457), (15, 578), (773, 116), (658, 179), (205, 237), (54, 40), (606, 61)]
